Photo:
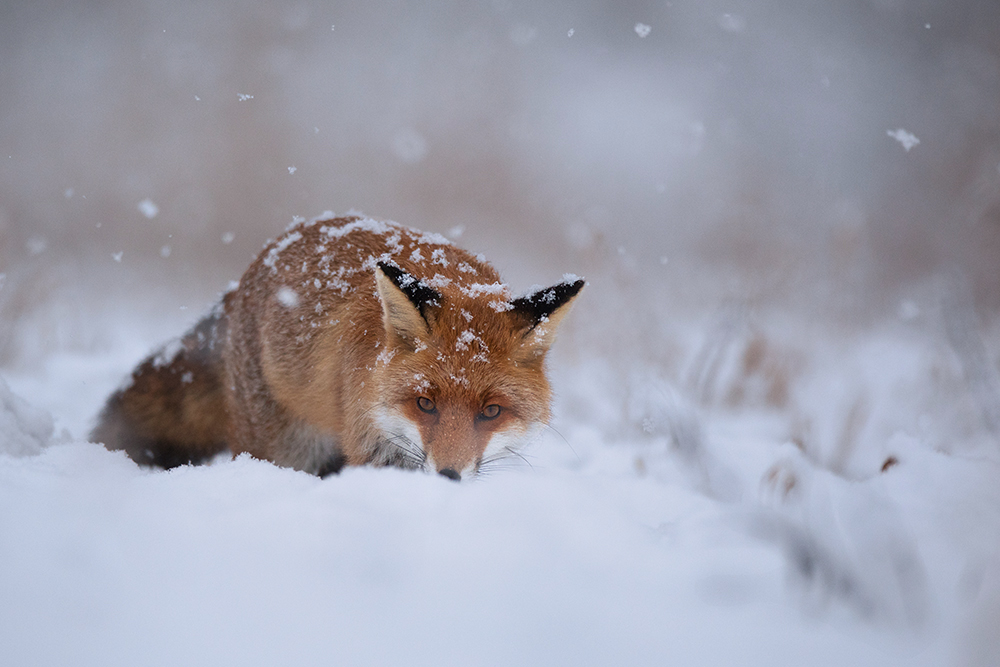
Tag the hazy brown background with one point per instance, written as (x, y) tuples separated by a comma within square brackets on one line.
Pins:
[(738, 149)]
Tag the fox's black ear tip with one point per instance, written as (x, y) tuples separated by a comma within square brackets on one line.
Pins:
[(395, 274), (542, 303), (570, 287), (419, 294)]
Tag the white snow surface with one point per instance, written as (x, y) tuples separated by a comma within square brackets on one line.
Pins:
[(647, 529), (24, 429)]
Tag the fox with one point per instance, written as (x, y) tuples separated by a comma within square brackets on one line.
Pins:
[(350, 341)]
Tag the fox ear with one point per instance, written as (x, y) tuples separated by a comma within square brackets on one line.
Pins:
[(405, 303), (541, 312)]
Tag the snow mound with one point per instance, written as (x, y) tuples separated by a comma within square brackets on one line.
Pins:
[(24, 429)]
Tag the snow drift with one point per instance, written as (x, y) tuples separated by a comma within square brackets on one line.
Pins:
[(24, 429)]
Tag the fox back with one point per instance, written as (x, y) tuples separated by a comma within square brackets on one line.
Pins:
[(352, 341)]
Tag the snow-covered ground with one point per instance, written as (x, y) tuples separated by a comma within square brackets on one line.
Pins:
[(654, 525)]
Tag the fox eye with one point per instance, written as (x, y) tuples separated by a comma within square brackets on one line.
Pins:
[(425, 404), (491, 411)]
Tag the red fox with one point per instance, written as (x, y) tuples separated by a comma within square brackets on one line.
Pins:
[(350, 341)]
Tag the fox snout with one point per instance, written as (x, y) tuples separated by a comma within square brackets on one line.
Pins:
[(453, 439)]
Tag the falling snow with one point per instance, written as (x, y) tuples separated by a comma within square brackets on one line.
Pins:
[(148, 208), (907, 139)]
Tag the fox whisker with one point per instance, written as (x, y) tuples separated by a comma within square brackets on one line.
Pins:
[(563, 438), (514, 452), (504, 454), (502, 460), (496, 467), (406, 450)]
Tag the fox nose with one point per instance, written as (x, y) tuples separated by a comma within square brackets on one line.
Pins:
[(450, 473)]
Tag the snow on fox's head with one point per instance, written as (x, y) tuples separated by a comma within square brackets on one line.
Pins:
[(461, 378)]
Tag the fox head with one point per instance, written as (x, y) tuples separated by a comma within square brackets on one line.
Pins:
[(461, 378)]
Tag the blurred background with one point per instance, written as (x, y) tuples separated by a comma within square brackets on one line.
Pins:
[(751, 180)]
